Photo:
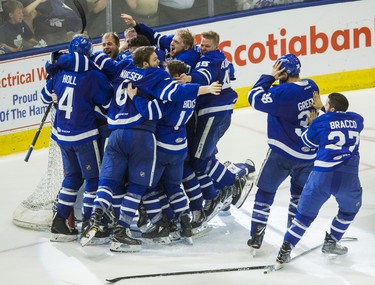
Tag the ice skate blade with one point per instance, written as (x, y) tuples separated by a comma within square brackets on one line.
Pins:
[(189, 240), (149, 227), (201, 231), (278, 266), (159, 240), (99, 241), (333, 256), (121, 247), (253, 251), (62, 238), (174, 236), (88, 237), (226, 203)]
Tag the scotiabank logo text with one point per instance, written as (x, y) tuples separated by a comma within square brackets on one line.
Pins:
[(315, 42)]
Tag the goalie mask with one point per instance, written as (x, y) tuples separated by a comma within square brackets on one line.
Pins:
[(291, 63), (81, 45)]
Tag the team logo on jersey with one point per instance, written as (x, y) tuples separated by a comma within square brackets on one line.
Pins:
[(305, 149), (179, 140), (142, 174), (88, 167)]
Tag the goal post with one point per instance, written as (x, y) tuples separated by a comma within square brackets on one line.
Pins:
[(35, 212)]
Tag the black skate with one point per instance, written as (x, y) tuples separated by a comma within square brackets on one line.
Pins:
[(255, 242), (198, 218), (61, 230), (92, 228), (212, 207), (226, 197), (243, 184), (332, 248), (142, 218), (174, 233), (102, 235), (186, 228), (283, 256), (159, 235), (199, 225), (123, 241)]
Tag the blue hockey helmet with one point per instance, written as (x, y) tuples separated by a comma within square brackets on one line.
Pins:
[(81, 45), (291, 63)]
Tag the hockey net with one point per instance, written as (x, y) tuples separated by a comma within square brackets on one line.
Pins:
[(35, 212)]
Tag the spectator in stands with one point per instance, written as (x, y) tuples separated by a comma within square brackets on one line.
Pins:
[(201, 9), (56, 22), (144, 11), (30, 11), (15, 34), (1, 11), (256, 4), (171, 11)]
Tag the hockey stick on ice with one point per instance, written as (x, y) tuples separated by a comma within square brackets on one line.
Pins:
[(219, 270), (272, 268), (38, 132), (268, 268)]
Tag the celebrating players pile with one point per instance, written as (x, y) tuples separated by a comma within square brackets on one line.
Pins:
[(140, 127)]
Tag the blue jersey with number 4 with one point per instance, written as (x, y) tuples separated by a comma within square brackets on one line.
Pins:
[(212, 67), (78, 92)]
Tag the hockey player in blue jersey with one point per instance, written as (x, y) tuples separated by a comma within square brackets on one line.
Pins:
[(140, 41), (288, 106), (132, 44), (171, 143), (111, 44), (336, 135), (76, 132), (80, 62), (212, 119), (124, 153), (180, 46)]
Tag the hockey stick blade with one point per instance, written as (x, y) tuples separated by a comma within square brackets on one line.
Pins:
[(276, 267), (207, 271)]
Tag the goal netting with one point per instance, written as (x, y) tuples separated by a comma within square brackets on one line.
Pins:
[(35, 212)]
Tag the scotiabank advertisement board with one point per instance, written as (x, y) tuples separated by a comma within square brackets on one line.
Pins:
[(329, 40)]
